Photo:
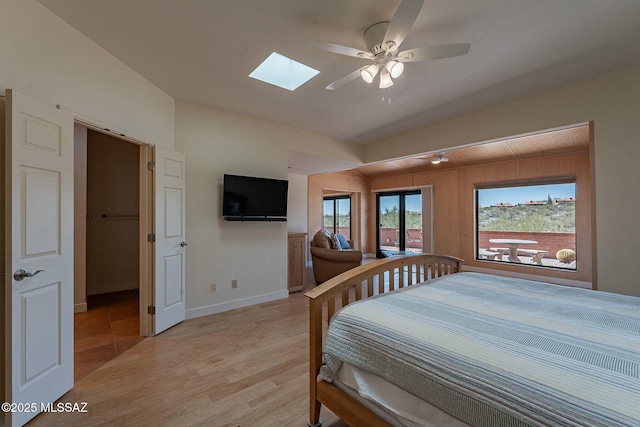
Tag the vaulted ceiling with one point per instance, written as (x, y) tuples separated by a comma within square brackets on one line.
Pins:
[(203, 51)]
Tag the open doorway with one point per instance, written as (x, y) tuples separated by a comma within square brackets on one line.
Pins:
[(107, 242), (43, 230)]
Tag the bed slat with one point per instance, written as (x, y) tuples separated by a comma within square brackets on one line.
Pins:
[(331, 308)]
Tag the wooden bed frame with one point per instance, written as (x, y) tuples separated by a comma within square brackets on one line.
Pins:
[(361, 282)]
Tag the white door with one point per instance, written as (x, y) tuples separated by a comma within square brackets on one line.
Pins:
[(170, 261), (39, 257)]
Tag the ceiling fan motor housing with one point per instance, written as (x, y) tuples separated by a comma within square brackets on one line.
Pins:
[(374, 37)]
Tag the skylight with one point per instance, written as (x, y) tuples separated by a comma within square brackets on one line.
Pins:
[(283, 72)]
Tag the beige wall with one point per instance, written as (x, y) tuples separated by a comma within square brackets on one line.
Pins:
[(297, 212), (253, 253), (45, 58), (112, 224), (297, 203)]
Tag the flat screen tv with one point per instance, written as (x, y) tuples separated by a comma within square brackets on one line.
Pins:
[(247, 198)]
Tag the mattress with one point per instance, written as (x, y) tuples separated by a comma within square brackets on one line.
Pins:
[(390, 402), (495, 351)]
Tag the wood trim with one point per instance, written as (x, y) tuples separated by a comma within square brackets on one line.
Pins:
[(296, 261), (146, 248), (315, 359), (592, 171)]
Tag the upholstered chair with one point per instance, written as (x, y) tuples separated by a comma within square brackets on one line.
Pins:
[(329, 260)]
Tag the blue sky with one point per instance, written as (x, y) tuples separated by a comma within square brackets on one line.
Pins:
[(515, 195), (413, 202)]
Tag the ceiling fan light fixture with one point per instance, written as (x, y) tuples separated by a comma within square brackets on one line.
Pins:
[(385, 80), (441, 158), (383, 40), (369, 73), (395, 68)]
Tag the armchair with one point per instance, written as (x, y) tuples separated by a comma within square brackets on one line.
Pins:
[(328, 262)]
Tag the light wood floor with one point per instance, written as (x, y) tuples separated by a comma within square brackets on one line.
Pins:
[(246, 367)]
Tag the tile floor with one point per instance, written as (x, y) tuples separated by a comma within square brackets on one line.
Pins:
[(110, 326)]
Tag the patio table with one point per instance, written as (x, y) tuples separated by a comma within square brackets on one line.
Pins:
[(513, 245)]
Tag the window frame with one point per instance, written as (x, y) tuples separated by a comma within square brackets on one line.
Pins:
[(521, 183)]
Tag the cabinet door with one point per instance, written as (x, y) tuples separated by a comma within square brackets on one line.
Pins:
[(296, 263)]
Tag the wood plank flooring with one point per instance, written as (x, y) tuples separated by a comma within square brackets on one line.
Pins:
[(245, 367)]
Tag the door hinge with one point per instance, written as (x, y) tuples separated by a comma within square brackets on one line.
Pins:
[(151, 165), (151, 238), (151, 309)]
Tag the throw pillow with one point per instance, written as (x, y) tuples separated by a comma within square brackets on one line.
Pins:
[(335, 243), (343, 242), (326, 232)]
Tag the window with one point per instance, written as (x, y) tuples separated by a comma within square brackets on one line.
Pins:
[(337, 215), (530, 223)]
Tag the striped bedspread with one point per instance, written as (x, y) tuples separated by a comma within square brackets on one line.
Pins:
[(496, 351)]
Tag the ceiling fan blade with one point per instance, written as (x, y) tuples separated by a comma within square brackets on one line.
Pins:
[(346, 79), (440, 51), (340, 49), (402, 22)]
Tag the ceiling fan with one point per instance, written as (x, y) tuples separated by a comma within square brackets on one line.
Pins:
[(435, 158), (383, 41), (440, 158)]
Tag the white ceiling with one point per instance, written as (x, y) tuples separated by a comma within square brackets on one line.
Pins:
[(203, 51)]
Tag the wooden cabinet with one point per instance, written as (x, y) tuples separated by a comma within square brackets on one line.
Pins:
[(296, 261)]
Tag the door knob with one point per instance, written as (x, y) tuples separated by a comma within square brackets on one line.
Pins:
[(19, 275), (183, 244)]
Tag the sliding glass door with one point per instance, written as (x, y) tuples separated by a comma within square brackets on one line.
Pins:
[(399, 217), (388, 235)]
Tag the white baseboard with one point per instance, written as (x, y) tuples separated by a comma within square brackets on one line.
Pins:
[(546, 279), (231, 305), (79, 308), (112, 287)]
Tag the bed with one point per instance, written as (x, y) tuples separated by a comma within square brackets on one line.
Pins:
[(414, 341)]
